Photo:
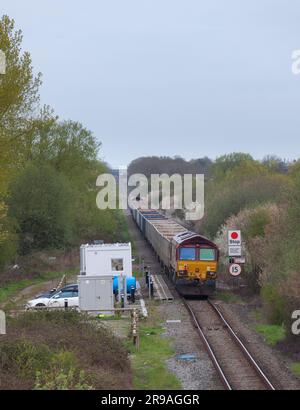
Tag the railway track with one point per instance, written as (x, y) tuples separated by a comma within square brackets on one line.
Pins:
[(237, 368)]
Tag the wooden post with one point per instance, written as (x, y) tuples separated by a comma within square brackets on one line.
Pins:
[(135, 330)]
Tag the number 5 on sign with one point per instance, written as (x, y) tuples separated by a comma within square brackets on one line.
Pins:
[(235, 269)]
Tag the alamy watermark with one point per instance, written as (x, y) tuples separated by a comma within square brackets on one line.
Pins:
[(295, 62), (160, 191), (2, 62), (2, 323), (296, 323)]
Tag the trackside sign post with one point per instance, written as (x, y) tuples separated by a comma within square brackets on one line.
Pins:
[(239, 259), (235, 269), (234, 243)]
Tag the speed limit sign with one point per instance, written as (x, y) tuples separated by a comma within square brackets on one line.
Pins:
[(235, 269)]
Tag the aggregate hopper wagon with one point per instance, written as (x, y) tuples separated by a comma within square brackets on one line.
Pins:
[(189, 259)]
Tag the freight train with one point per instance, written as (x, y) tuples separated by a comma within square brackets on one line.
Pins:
[(189, 259)]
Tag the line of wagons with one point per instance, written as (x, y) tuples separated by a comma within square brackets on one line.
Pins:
[(189, 259)]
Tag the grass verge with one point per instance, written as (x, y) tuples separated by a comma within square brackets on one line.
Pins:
[(228, 297), (148, 363), (295, 368), (9, 290), (272, 333), (137, 274)]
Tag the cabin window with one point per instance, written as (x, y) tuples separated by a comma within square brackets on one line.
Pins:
[(207, 254), (187, 254), (117, 264)]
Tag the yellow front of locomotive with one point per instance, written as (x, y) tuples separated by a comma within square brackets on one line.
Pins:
[(197, 263)]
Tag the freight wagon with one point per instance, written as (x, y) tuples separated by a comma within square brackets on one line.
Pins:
[(189, 259)]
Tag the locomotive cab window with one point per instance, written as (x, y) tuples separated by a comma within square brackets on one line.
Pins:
[(207, 254), (188, 254)]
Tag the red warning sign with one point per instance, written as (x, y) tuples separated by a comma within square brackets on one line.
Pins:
[(234, 238)]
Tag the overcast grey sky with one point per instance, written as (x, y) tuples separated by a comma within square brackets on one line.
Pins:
[(169, 77)]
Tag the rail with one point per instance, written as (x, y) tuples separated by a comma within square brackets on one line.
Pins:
[(244, 349), (209, 348)]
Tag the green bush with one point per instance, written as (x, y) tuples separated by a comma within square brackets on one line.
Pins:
[(41, 203), (8, 237), (274, 304), (34, 319), (224, 199), (24, 358), (258, 221), (281, 286), (255, 224), (272, 333), (59, 380), (61, 350), (8, 249), (295, 367), (62, 373), (45, 368)]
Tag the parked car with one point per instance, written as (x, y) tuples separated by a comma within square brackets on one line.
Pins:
[(48, 294), (57, 299)]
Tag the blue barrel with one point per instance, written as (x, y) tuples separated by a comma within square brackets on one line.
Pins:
[(130, 281)]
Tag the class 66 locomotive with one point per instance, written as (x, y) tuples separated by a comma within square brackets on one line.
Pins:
[(189, 259)]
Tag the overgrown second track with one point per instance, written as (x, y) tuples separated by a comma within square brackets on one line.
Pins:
[(237, 368)]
